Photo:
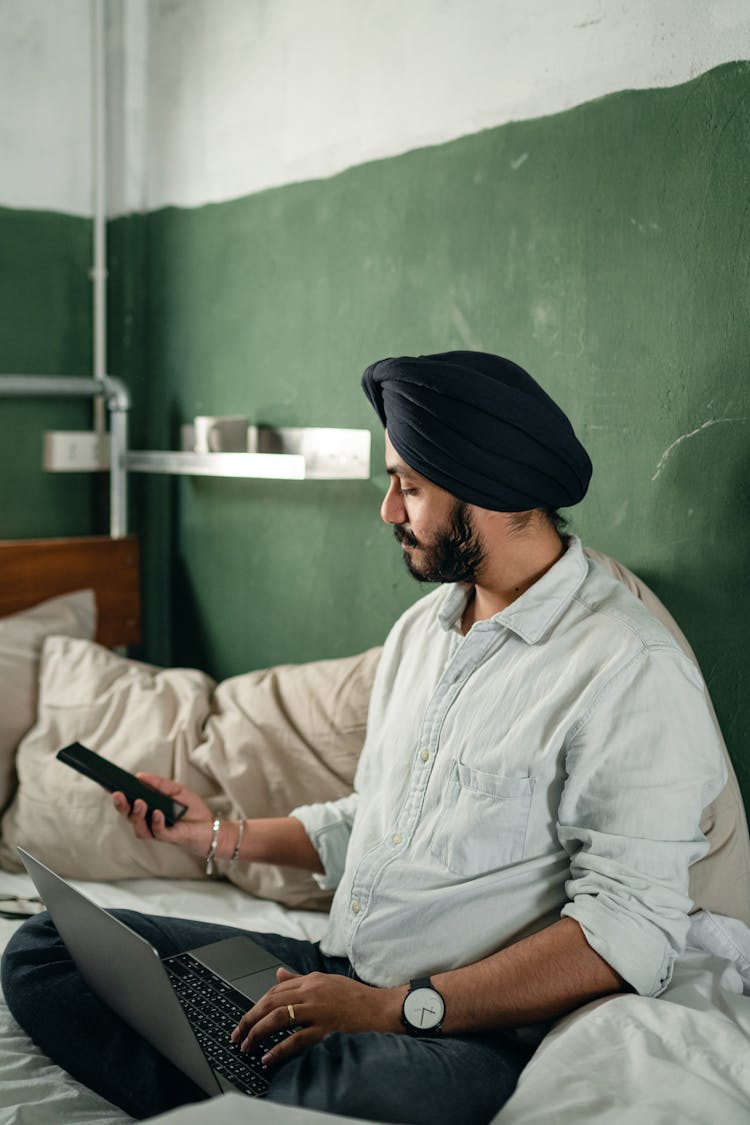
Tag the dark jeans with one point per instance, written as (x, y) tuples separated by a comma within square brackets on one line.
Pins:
[(454, 1080)]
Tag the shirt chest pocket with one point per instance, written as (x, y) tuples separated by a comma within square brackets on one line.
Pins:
[(482, 821)]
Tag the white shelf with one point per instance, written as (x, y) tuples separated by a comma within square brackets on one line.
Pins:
[(277, 466), (293, 453)]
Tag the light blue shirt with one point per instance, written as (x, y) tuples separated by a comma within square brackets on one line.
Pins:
[(553, 761)]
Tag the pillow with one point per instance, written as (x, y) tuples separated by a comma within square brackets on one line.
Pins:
[(21, 639), (283, 737), (720, 880), (137, 715), (257, 746)]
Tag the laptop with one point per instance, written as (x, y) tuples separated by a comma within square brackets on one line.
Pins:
[(185, 1005)]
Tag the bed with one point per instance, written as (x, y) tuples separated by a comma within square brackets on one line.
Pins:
[(258, 744)]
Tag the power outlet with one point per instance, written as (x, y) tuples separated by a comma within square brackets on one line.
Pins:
[(75, 451)]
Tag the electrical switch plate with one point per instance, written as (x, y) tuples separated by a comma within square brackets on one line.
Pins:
[(75, 451)]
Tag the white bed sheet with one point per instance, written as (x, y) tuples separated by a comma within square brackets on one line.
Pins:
[(631, 1060), (683, 1058)]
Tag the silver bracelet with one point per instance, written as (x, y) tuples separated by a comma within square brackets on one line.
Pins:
[(214, 844), (238, 845)]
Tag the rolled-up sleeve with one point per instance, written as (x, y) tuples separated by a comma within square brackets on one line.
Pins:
[(641, 766), (329, 826)]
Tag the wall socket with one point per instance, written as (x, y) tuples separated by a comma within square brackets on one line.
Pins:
[(75, 451)]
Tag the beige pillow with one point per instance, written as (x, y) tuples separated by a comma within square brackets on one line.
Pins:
[(138, 716), (21, 638), (265, 742), (720, 881), (283, 737)]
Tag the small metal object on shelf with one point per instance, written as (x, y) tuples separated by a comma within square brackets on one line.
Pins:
[(220, 433)]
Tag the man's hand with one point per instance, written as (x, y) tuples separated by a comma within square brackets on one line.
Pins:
[(191, 831), (322, 1003), (280, 839)]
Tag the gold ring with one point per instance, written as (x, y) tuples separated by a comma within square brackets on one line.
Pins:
[(290, 1009)]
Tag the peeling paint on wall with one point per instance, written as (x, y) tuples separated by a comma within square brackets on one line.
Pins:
[(685, 437)]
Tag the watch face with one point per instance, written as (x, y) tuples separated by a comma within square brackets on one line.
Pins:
[(424, 1008)]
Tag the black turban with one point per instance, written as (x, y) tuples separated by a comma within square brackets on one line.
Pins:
[(480, 427)]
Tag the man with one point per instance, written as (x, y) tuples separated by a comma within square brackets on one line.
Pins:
[(526, 806)]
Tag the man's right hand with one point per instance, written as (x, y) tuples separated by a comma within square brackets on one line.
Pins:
[(193, 829)]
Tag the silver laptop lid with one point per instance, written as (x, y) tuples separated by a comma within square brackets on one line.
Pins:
[(124, 970)]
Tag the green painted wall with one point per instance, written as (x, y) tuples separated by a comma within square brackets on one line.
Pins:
[(605, 248), (45, 329)]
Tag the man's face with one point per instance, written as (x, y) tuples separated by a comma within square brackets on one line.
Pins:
[(434, 529)]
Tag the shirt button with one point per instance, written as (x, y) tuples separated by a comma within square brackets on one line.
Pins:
[(396, 838), (425, 756), (356, 907)]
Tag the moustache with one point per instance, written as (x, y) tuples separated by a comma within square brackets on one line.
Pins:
[(405, 536)]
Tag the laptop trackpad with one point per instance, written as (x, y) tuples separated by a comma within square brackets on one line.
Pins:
[(255, 985), (243, 962)]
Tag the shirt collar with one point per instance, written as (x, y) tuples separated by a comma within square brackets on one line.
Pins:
[(531, 615)]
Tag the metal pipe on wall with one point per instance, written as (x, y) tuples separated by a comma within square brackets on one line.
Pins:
[(118, 404), (111, 393), (107, 393), (98, 172), (49, 386)]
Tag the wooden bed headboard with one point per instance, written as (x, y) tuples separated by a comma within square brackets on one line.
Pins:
[(34, 569)]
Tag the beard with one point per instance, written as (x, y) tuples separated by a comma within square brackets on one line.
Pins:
[(454, 556)]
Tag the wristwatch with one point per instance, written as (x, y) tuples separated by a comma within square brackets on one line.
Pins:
[(423, 1010)]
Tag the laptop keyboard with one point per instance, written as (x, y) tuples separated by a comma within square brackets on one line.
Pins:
[(214, 1009)]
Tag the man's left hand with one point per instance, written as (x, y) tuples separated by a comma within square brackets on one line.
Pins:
[(321, 1003)]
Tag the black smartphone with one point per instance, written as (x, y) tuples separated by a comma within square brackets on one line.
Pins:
[(113, 778)]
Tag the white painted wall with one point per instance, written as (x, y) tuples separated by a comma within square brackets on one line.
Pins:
[(247, 94), (45, 105), (215, 99)]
